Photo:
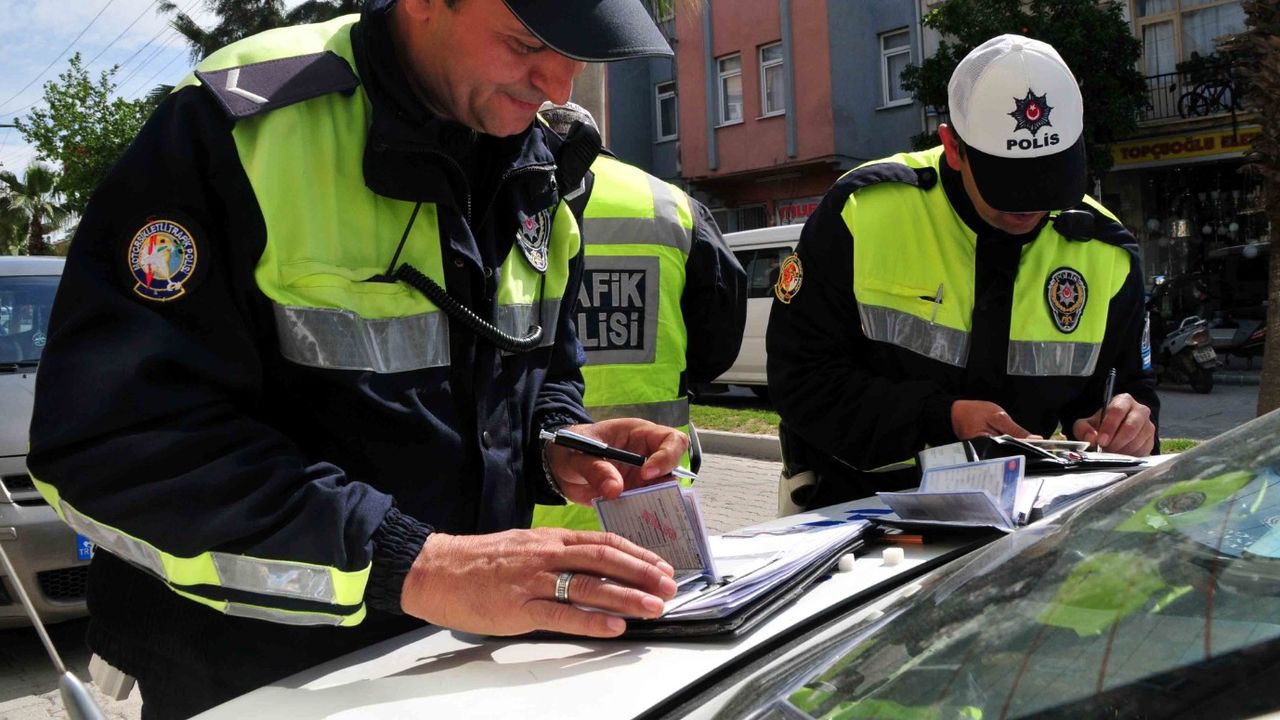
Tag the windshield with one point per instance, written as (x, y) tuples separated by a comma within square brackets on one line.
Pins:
[(25, 302), (1158, 598)]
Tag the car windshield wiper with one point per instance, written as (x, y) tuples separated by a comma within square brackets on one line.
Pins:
[(19, 365)]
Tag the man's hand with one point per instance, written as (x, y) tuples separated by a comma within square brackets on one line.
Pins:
[(979, 418), (1126, 428), (504, 583), (584, 477)]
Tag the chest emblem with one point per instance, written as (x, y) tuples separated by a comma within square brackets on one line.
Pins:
[(790, 277), (162, 257), (1066, 293), (533, 236)]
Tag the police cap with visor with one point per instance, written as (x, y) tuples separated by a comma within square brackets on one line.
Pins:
[(587, 30), (1017, 107)]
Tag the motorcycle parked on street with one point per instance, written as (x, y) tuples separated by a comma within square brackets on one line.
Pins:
[(1182, 354)]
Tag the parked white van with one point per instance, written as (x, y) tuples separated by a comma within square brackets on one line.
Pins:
[(760, 252)]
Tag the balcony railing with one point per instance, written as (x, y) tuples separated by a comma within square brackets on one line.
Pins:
[(1202, 92)]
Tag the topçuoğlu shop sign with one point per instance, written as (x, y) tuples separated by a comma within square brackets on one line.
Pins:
[(1214, 145)]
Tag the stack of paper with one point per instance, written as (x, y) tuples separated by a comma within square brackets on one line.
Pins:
[(720, 575)]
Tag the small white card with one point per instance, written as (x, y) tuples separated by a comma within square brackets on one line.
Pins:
[(664, 518)]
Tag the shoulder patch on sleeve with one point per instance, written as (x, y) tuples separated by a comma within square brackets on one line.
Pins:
[(257, 88), (923, 178)]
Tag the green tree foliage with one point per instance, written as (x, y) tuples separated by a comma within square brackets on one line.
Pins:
[(82, 128), (13, 227), (35, 199), (1091, 36), (241, 18)]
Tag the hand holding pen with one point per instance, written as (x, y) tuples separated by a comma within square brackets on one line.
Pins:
[(1122, 425), (579, 457)]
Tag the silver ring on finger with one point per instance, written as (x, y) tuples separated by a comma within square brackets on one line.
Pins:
[(562, 587)]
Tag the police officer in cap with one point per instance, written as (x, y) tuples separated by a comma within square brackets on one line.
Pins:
[(964, 291), (310, 329)]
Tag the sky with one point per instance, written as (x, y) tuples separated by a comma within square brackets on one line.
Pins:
[(37, 37)]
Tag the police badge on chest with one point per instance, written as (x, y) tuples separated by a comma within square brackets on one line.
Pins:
[(533, 235)]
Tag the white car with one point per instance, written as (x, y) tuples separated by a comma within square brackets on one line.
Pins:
[(761, 253), (50, 559), (1158, 597)]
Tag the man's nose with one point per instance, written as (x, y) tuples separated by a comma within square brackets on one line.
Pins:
[(553, 77)]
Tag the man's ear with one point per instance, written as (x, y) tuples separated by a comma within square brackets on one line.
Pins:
[(950, 146), (417, 10)]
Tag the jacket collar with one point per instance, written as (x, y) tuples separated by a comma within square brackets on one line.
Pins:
[(407, 144)]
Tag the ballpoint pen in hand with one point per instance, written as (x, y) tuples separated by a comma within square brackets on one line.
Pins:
[(1108, 391), (591, 446)]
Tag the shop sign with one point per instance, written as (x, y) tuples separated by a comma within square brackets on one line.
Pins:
[(1174, 149), (794, 212)]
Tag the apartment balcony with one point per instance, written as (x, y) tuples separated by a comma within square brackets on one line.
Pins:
[(1209, 91)]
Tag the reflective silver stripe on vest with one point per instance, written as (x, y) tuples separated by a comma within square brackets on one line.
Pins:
[(265, 577), (1052, 358), (342, 340), (272, 577), (118, 544), (673, 413), (517, 319), (283, 618), (663, 229), (918, 335)]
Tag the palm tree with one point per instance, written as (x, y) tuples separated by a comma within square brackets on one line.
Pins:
[(1262, 74), (36, 196), (241, 18)]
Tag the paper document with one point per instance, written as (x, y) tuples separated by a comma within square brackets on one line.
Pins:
[(985, 493), (666, 519)]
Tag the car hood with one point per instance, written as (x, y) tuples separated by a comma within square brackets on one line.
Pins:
[(17, 390)]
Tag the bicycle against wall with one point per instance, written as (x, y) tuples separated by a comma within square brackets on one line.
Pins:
[(1213, 88)]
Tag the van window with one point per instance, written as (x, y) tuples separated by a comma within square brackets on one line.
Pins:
[(25, 302), (762, 268)]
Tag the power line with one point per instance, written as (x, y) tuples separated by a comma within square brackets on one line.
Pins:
[(138, 68), (59, 55), (122, 32), (157, 74)]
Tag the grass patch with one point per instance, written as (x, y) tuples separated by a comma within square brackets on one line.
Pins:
[(1177, 445), (734, 419)]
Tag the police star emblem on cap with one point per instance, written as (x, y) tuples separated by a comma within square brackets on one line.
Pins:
[(1031, 112)]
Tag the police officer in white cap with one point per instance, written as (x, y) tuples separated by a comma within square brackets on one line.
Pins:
[(968, 290)]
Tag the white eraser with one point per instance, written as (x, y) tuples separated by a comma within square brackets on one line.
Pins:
[(893, 555), (846, 562)]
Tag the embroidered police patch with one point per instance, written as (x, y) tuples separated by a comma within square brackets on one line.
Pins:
[(533, 235), (790, 277), (162, 257), (1067, 294)]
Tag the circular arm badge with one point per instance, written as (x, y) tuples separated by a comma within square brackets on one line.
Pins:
[(162, 259), (790, 277)]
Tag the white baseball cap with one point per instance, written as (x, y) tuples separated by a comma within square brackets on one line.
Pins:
[(1016, 105)]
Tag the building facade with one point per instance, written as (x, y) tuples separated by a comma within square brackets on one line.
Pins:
[(1181, 183), (768, 102)]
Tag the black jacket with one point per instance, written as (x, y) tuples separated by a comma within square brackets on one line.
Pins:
[(849, 405), (181, 424)]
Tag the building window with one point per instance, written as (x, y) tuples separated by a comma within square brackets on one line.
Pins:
[(773, 81), (895, 55), (668, 121), (749, 217), (730, 89), (1173, 30)]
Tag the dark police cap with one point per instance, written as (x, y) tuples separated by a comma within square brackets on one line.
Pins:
[(593, 30)]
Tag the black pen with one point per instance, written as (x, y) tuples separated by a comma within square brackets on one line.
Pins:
[(591, 446), (1108, 390)]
